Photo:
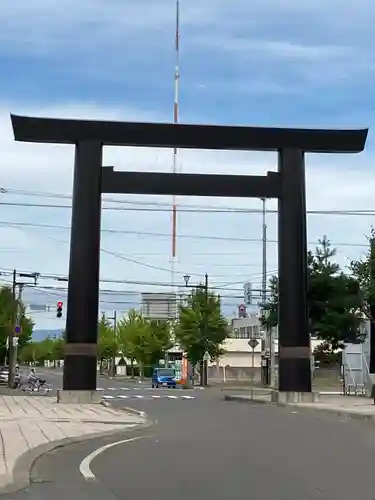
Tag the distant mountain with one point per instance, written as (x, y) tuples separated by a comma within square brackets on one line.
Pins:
[(40, 334)]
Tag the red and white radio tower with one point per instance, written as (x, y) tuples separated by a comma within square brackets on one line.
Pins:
[(175, 150)]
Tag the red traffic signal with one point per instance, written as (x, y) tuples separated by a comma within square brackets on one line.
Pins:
[(59, 309)]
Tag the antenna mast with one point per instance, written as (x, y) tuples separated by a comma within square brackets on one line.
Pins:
[(175, 150)]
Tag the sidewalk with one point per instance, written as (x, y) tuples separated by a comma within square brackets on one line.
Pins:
[(359, 407), (32, 425)]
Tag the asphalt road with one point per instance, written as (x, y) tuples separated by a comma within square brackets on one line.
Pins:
[(212, 449)]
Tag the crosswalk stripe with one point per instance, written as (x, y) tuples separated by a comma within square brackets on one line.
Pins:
[(187, 397), (156, 396), (172, 397), (122, 396), (139, 396), (108, 397)]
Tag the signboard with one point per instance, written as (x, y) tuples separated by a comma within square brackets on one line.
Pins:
[(17, 330), (242, 311), (185, 370), (206, 356), (253, 343), (177, 365)]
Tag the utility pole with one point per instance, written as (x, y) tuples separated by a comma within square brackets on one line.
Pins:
[(264, 252), (204, 360), (113, 361), (11, 349), (15, 320), (204, 376), (267, 345)]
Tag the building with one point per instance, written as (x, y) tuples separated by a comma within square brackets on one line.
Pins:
[(239, 359), (159, 305)]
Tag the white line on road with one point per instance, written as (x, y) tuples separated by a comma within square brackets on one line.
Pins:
[(172, 397), (139, 396), (331, 393), (108, 397), (84, 467), (187, 397), (155, 396), (124, 388), (100, 389), (122, 396)]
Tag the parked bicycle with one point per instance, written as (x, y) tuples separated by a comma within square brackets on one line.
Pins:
[(38, 385)]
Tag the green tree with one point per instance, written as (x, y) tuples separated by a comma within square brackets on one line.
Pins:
[(161, 339), (8, 310), (201, 326), (58, 348), (34, 352), (142, 340), (107, 343), (363, 270), (334, 299)]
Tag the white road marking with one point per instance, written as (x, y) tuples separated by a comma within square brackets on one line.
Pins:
[(172, 397), (155, 396), (108, 397), (122, 396), (139, 396), (187, 397), (331, 393), (124, 388), (112, 388), (100, 389), (84, 467)]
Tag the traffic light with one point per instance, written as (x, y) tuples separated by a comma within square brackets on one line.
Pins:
[(59, 309)]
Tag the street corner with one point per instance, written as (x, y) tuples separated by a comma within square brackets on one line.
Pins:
[(28, 437)]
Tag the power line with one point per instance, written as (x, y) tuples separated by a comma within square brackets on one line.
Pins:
[(154, 207), (166, 235), (64, 278), (57, 291)]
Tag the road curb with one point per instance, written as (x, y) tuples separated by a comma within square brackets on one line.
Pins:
[(20, 477), (138, 413), (340, 413), (127, 409)]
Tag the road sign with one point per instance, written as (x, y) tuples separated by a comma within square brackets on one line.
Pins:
[(17, 329), (242, 311), (15, 341), (253, 343), (206, 356)]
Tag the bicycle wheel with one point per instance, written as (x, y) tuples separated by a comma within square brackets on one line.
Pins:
[(24, 388), (43, 389)]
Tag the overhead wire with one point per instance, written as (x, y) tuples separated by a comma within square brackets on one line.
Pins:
[(166, 207), (166, 235), (155, 207)]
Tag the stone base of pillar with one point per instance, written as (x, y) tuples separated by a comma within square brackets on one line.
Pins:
[(78, 397), (294, 397)]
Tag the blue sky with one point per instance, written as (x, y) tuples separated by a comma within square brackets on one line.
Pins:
[(264, 62)]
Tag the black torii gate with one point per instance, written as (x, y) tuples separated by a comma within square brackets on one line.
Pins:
[(91, 179)]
